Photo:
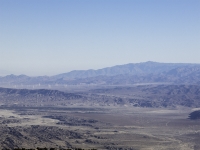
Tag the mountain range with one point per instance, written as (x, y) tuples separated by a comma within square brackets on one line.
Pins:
[(146, 72), (128, 69)]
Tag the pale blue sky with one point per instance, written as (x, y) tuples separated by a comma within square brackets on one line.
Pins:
[(47, 37)]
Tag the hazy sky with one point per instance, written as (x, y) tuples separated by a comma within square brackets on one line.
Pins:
[(47, 37)]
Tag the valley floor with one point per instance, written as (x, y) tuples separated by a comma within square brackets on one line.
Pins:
[(102, 128)]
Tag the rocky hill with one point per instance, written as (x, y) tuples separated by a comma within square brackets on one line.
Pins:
[(40, 97), (156, 96)]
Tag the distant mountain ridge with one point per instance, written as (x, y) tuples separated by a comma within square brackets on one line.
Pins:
[(146, 72), (129, 69)]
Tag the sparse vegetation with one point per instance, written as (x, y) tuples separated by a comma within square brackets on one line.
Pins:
[(194, 115)]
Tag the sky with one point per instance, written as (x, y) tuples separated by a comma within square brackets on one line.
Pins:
[(48, 37)]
